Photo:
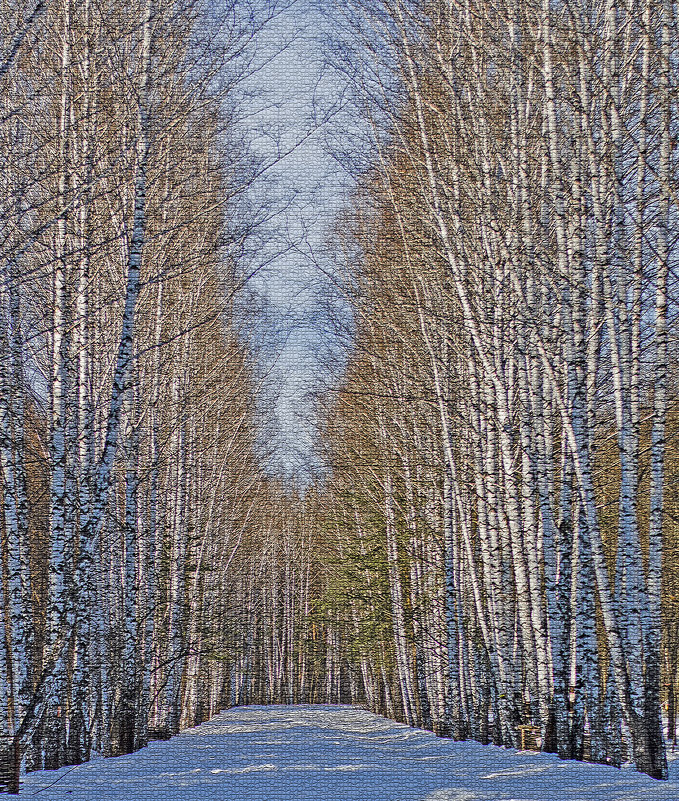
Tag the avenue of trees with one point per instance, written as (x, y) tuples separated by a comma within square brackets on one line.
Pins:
[(491, 552), (486, 554)]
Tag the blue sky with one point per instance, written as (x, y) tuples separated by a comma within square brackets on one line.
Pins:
[(292, 92)]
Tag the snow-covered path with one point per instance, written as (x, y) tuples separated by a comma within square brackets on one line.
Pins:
[(322, 753)]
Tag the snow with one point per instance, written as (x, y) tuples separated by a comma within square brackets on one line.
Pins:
[(335, 753)]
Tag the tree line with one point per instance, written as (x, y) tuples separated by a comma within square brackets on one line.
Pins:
[(502, 433), (127, 398)]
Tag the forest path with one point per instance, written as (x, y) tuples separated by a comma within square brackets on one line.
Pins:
[(335, 753)]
